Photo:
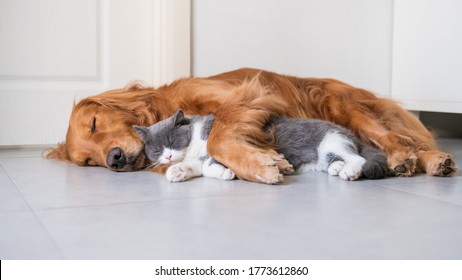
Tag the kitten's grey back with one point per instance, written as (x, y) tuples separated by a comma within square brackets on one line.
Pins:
[(299, 139)]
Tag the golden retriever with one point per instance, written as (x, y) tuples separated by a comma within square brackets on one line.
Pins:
[(100, 129)]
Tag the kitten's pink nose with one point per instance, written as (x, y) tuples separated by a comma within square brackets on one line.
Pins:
[(169, 157)]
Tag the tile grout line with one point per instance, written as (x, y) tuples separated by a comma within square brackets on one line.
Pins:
[(422, 196), (53, 242), (139, 202)]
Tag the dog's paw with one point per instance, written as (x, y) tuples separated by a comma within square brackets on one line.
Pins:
[(442, 165), (270, 178), (261, 166), (404, 167), (283, 165)]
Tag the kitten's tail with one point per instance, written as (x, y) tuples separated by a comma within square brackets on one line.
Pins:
[(376, 163)]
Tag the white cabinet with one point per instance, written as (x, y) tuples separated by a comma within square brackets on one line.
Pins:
[(427, 55)]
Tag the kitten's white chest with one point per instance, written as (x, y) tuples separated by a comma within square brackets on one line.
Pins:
[(198, 146)]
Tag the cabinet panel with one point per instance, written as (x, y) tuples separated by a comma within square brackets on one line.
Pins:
[(427, 57)]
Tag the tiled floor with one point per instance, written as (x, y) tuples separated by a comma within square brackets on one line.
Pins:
[(55, 210)]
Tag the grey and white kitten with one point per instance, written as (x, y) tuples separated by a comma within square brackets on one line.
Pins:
[(308, 144), (182, 142)]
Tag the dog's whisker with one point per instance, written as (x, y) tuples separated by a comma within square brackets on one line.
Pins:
[(151, 165)]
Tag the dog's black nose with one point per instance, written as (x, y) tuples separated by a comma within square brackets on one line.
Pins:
[(116, 159)]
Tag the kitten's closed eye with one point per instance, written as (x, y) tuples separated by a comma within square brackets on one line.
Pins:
[(153, 154), (173, 144), (154, 157)]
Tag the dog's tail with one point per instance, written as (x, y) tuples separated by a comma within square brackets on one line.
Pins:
[(376, 163)]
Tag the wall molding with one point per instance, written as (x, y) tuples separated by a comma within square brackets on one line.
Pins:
[(171, 40)]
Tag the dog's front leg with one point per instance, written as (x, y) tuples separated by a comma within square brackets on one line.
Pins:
[(249, 162)]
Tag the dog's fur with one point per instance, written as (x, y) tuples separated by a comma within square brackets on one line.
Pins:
[(242, 101)]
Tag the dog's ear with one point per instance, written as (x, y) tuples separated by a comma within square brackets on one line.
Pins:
[(59, 153), (142, 131), (180, 119)]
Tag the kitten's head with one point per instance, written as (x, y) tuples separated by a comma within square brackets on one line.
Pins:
[(166, 141)]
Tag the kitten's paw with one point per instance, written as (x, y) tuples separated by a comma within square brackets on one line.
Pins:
[(228, 174), (350, 172), (217, 171), (177, 173), (335, 167)]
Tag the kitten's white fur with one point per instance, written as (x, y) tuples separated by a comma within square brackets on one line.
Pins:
[(191, 164), (348, 169)]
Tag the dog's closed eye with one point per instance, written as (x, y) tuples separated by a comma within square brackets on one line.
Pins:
[(93, 125), (89, 162)]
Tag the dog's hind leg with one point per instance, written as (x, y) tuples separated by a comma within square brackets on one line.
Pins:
[(436, 163), (411, 146), (401, 156), (406, 154)]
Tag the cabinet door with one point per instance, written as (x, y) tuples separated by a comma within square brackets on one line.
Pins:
[(345, 40), (53, 52), (427, 56)]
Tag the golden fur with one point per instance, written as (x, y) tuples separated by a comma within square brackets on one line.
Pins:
[(243, 100)]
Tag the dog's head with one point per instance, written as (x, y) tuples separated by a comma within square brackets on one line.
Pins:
[(101, 131)]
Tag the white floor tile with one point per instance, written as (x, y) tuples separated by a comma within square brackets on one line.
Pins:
[(22, 237), (10, 199)]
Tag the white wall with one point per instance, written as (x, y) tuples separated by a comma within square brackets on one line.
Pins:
[(349, 40)]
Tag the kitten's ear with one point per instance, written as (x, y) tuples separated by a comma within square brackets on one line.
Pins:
[(180, 119), (142, 131)]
